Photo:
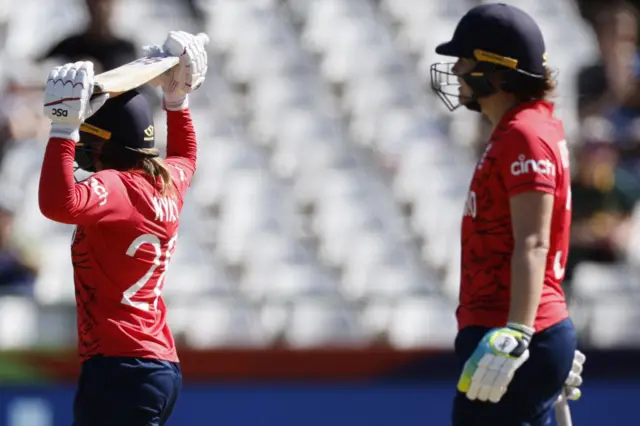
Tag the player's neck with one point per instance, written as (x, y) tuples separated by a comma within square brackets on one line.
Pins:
[(99, 31), (495, 107)]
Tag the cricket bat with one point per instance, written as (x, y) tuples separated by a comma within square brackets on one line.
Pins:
[(562, 411), (136, 73)]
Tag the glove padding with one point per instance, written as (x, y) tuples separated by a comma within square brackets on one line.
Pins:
[(67, 98), (488, 372), (574, 380), (190, 72)]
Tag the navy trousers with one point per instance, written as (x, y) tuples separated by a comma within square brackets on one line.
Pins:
[(126, 392)]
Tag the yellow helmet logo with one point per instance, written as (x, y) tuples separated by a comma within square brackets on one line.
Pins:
[(149, 131)]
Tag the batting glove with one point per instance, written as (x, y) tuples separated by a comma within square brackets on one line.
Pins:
[(487, 374), (190, 72), (67, 99), (574, 381)]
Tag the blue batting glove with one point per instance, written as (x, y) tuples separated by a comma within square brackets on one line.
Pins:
[(487, 374)]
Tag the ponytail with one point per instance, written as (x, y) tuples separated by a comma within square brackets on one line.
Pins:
[(156, 168), (143, 160)]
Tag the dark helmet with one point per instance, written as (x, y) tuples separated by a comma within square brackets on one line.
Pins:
[(122, 128), (500, 38)]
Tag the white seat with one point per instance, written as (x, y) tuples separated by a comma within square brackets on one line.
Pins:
[(335, 246), (341, 66), (309, 156), (260, 30), (418, 155), (429, 212), (356, 34), (592, 280), (57, 326), (226, 19), (317, 323), (218, 323), (368, 95), (324, 18), (190, 279), (400, 125), (422, 323), (216, 159), (18, 323), (614, 322), (303, 124), (273, 318), (338, 217), (286, 282), (376, 316), (369, 248), (246, 68), (277, 91), (387, 282), (269, 247), (54, 284)]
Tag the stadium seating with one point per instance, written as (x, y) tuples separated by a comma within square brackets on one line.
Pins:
[(331, 181)]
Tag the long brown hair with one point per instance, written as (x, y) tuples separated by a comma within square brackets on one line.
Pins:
[(142, 160), (153, 165), (527, 88)]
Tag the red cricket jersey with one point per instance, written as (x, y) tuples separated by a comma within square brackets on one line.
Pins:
[(527, 152), (125, 235)]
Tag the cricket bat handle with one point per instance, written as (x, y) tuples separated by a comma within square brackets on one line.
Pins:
[(562, 411)]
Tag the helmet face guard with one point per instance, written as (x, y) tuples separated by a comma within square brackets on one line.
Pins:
[(86, 151), (92, 139), (446, 84)]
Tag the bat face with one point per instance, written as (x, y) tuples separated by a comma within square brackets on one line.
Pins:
[(136, 73), (132, 75)]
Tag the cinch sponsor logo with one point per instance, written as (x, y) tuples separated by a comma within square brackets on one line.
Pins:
[(98, 189), (524, 166)]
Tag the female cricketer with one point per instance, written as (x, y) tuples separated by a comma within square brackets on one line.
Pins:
[(516, 342), (127, 217)]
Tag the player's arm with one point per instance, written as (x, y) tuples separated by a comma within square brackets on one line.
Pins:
[(63, 200), (176, 85), (67, 102), (182, 147), (531, 214), (529, 171)]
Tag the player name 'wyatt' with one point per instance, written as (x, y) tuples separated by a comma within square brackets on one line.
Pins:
[(166, 209)]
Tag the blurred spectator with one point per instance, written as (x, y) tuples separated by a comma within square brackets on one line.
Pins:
[(197, 13), (610, 86), (603, 197), (21, 117), (18, 266), (97, 42)]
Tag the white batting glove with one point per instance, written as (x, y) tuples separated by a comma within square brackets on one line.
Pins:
[(489, 370), (190, 72), (574, 381), (67, 99)]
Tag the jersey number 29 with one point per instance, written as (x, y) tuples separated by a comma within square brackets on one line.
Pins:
[(130, 293)]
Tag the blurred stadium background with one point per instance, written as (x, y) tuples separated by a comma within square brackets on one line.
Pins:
[(325, 211)]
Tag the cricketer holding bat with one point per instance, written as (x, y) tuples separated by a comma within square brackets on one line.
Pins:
[(516, 342), (127, 217)]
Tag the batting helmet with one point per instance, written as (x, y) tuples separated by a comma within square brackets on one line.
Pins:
[(498, 37)]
